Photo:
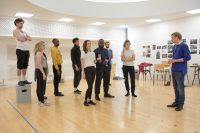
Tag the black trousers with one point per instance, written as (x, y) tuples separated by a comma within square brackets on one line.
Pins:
[(57, 78), (90, 76), (41, 84), (77, 77), (109, 74), (129, 70), (101, 73)]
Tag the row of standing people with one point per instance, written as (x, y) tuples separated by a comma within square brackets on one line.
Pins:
[(91, 64)]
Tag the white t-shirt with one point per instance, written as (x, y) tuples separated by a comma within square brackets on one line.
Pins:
[(128, 54), (88, 58), (22, 45)]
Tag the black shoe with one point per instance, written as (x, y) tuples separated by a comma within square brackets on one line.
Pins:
[(108, 95), (86, 103), (91, 102), (127, 94), (172, 105), (133, 95), (109, 84), (77, 92), (45, 98), (58, 94), (179, 108), (26, 82), (97, 98), (167, 84), (21, 83)]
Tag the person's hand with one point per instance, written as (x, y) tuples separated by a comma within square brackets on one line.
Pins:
[(44, 76), (58, 72), (76, 68), (171, 61)]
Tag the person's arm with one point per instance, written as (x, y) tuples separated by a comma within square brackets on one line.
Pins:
[(123, 59), (39, 63), (83, 64), (111, 54), (132, 58), (186, 56), (28, 37), (53, 55), (19, 37), (74, 61)]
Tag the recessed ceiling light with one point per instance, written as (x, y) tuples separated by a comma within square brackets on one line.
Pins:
[(116, 1), (98, 23), (122, 26), (66, 19), (196, 11), (152, 20), (22, 14)]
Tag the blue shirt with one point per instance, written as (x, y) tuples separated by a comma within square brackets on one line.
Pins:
[(104, 56), (181, 51)]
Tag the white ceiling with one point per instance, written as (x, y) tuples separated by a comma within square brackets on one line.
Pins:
[(85, 12)]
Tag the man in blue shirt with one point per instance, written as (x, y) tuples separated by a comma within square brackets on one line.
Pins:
[(101, 70), (181, 55)]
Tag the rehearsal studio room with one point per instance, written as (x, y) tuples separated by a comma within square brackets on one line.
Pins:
[(100, 66)]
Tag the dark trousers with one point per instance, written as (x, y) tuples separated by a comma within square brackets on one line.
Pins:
[(109, 74), (179, 89), (129, 70), (56, 79), (77, 77), (101, 73), (90, 76), (40, 85)]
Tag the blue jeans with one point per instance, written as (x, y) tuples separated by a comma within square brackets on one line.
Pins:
[(179, 89)]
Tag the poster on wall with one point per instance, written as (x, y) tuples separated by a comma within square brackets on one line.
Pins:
[(169, 55), (159, 47), (164, 47), (193, 46), (154, 47), (158, 54), (193, 41), (164, 55), (199, 51), (148, 55), (193, 51), (184, 40)]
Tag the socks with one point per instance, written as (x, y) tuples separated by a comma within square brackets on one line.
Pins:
[(19, 78), (23, 78)]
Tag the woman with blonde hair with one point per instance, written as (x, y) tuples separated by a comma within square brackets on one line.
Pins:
[(40, 71), (88, 70)]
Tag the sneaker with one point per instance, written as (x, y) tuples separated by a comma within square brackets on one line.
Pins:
[(46, 103), (26, 82), (77, 92), (108, 95), (86, 103), (45, 98), (134, 95), (58, 94), (21, 83), (91, 102), (127, 94), (97, 98)]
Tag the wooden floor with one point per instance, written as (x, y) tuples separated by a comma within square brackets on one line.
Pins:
[(146, 114)]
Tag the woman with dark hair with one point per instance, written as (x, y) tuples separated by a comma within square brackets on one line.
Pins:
[(88, 64), (127, 57)]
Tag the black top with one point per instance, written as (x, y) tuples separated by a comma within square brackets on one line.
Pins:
[(76, 56), (104, 56)]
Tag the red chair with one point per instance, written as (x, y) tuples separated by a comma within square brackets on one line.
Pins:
[(145, 68)]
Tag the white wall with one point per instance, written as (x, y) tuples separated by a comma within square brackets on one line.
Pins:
[(43, 30), (159, 34)]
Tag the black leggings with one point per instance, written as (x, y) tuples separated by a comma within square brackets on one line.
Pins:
[(129, 70), (90, 76), (41, 84)]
